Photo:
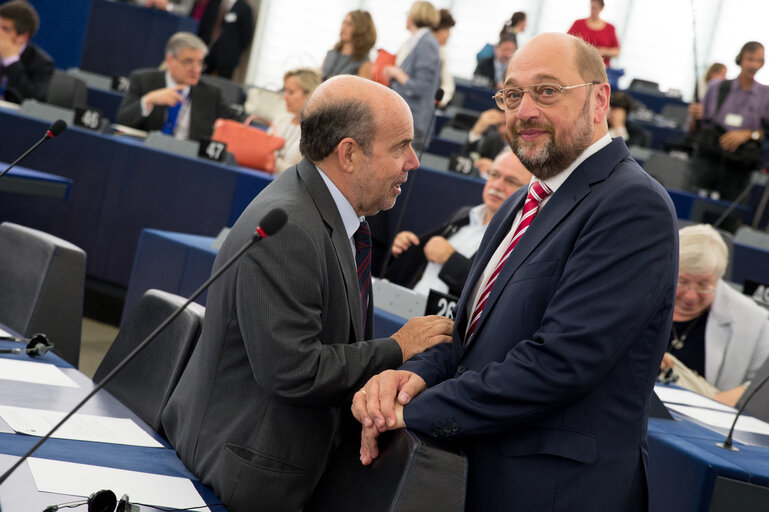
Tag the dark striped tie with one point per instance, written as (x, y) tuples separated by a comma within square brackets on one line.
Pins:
[(362, 239)]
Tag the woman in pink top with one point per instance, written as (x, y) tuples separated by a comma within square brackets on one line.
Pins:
[(599, 33)]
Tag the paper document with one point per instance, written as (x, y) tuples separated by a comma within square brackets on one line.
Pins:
[(671, 395), (80, 427), (81, 480), (721, 419), (35, 373), (5, 334)]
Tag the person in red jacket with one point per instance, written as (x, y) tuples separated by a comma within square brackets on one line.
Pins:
[(597, 32)]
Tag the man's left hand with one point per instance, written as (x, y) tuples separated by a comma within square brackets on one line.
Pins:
[(438, 250), (730, 141), (369, 445)]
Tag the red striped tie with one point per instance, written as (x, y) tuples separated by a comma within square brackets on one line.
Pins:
[(537, 192)]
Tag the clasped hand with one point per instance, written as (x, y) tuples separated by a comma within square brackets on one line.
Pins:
[(378, 406)]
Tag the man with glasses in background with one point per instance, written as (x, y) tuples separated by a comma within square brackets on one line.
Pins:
[(565, 315), (174, 101), (440, 260)]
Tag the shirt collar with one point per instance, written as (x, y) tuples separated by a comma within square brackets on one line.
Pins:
[(477, 215), (350, 219), (556, 181), (171, 83)]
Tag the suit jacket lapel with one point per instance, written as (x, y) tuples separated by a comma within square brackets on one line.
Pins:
[(333, 221), (574, 189)]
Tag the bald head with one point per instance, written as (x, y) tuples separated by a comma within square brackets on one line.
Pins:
[(573, 52), (344, 106)]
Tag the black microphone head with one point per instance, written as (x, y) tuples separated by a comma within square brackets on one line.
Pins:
[(272, 222), (438, 95), (38, 344), (56, 128)]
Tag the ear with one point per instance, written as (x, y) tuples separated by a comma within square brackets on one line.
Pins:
[(602, 95), (349, 155)]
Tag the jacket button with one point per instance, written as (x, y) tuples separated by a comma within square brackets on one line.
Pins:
[(461, 368)]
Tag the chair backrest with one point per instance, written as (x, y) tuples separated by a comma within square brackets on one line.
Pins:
[(759, 404), (145, 384), (232, 93), (42, 281), (673, 173), (67, 91)]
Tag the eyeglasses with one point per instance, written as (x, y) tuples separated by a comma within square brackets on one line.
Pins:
[(188, 63), (545, 95), (494, 174), (701, 288)]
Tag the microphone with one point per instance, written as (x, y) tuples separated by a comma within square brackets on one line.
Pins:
[(727, 443), (438, 98), (271, 223), (37, 345), (55, 129), (736, 202)]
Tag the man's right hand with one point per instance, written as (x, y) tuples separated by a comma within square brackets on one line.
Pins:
[(422, 332), (164, 97), (490, 117), (403, 241)]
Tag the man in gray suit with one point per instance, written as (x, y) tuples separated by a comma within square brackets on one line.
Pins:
[(265, 397)]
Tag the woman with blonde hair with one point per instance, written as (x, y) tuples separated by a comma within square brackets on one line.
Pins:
[(297, 86), (350, 55), (416, 74)]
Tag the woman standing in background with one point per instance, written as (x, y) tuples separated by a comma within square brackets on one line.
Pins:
[(350, 54)]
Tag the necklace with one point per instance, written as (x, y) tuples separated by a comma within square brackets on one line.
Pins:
[(678, 341)]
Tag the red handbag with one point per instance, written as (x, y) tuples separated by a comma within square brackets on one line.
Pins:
[(251, 146), (383, 59)]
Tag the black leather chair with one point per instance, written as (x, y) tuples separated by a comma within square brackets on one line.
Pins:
[(67, 91), (413, 473), (42, 281), (145, 384)]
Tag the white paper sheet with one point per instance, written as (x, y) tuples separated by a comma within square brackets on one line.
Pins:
[(83, 480), (4, 333), (721, 419), (670, 395), (80, 427), (35, 373)]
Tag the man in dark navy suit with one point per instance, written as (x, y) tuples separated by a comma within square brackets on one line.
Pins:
[(565, 316), (25, 68)]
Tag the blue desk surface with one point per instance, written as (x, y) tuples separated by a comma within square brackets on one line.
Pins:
[(21, 180), (19, 492), (121, 188)]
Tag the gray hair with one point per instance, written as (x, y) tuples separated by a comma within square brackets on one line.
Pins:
[(324, 126), (702, 251), (183, 40)]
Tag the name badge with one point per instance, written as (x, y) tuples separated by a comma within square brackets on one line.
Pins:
[(230, 17), (733, 120)]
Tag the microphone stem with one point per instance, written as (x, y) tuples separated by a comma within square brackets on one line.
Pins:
[(132, 355), (23, 156), (728, 440)]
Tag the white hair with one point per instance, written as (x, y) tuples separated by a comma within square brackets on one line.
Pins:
[(702, 251)]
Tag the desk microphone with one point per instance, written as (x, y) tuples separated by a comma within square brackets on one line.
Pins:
[(55, 129), (271, 223), (727, 444), (736, 202), (37, 345)]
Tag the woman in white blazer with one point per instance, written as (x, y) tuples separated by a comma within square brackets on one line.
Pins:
[(718, 332)]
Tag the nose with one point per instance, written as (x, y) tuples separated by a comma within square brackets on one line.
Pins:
[(412, 162), (528, 107)]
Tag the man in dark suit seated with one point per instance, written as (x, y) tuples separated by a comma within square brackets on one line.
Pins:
[(565, 316), (440, 260), (264, 399), (25, 68), (490, 72), (174, 101)]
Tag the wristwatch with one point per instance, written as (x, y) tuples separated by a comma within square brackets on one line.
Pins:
[(755, 135)]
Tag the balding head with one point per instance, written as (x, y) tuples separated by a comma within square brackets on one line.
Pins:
[(343, 106), (359, 133), (549, 133)]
